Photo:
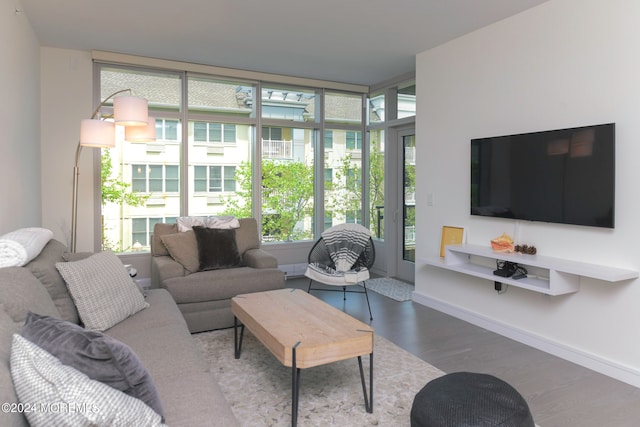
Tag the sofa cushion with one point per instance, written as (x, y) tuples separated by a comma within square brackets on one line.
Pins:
[(7, 391), (247, 235), (228, 282), (21, 292), (40, 377), (217, 248), (99, 356), (183, 247), (102, 290), (161, 229), (44, 268)]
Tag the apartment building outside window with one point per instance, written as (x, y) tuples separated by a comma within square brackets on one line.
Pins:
[(155, 178), (202, 162), (214, 132), (214, 179)]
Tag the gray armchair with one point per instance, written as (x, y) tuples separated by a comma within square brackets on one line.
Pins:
[(204, 297)]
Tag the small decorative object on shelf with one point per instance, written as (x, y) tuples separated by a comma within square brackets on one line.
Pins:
[(451, 236), (526, 249), (503, 243)]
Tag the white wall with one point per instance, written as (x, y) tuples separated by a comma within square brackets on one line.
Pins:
[(19, 121), (66, 99), (565, 63)]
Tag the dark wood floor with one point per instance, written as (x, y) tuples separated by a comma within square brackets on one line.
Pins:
[(559, 393)]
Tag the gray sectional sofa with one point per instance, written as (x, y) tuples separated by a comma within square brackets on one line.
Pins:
[(158, 334), (204, 297)]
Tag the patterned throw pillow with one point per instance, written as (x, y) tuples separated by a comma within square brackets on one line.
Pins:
[(102, 290), (99, 356), (56, 394)]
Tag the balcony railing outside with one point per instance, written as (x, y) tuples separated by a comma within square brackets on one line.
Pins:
[(277, 149)]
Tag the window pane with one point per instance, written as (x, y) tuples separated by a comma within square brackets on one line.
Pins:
[(376, 182), (291, 104), (155, 178), (328, 177), (328, 139), (218, 168), (200, 132), (139, 231), (139, 178), (172, 181), (215, 178), (229, 133), (354, 140), (200, 178), (142, 182), (171, 130), (287, 189), (215, 132), (343, 194), (343, 108), (229, 178), (220, 97), (375, 109), (277, 143), (407, 100), (162, 90)]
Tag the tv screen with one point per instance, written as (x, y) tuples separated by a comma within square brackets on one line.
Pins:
[(562, 176)]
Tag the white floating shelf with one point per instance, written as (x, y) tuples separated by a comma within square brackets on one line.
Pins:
[(560, 276)]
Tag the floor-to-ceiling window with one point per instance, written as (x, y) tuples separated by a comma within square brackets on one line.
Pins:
[(141, 181), (289, 127), (343, 160), (209, 132), (220, 136)]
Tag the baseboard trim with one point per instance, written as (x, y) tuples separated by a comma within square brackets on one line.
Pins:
[(596, 363)]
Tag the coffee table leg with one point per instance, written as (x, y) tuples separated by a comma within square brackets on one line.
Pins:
[(368, 400), (238, 343), (295, 386)]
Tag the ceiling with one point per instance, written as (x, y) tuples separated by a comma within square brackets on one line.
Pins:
[(352, 41)]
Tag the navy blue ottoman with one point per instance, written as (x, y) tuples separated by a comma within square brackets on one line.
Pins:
[(466, 399)]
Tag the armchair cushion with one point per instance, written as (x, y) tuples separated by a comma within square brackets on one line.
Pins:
[(161, 229), (259, 258), (217, 248), (183, 247)]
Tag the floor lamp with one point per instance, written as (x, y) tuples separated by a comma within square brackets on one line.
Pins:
[(130, 111)]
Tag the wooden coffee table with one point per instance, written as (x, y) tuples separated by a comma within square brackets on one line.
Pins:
[(302, 331)]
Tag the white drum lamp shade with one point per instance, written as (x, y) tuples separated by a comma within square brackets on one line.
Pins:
[(97, 133), (141, 133), (130, 111)]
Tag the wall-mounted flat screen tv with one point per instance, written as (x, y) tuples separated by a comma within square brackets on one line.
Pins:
[(564, 176)]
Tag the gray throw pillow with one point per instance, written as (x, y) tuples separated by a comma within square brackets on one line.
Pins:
[(98, 356), (102, 290), (183, 248), (72, 398), (217, 248)]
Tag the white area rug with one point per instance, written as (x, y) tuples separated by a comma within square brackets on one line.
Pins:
[(392, 288), (258, 387)]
